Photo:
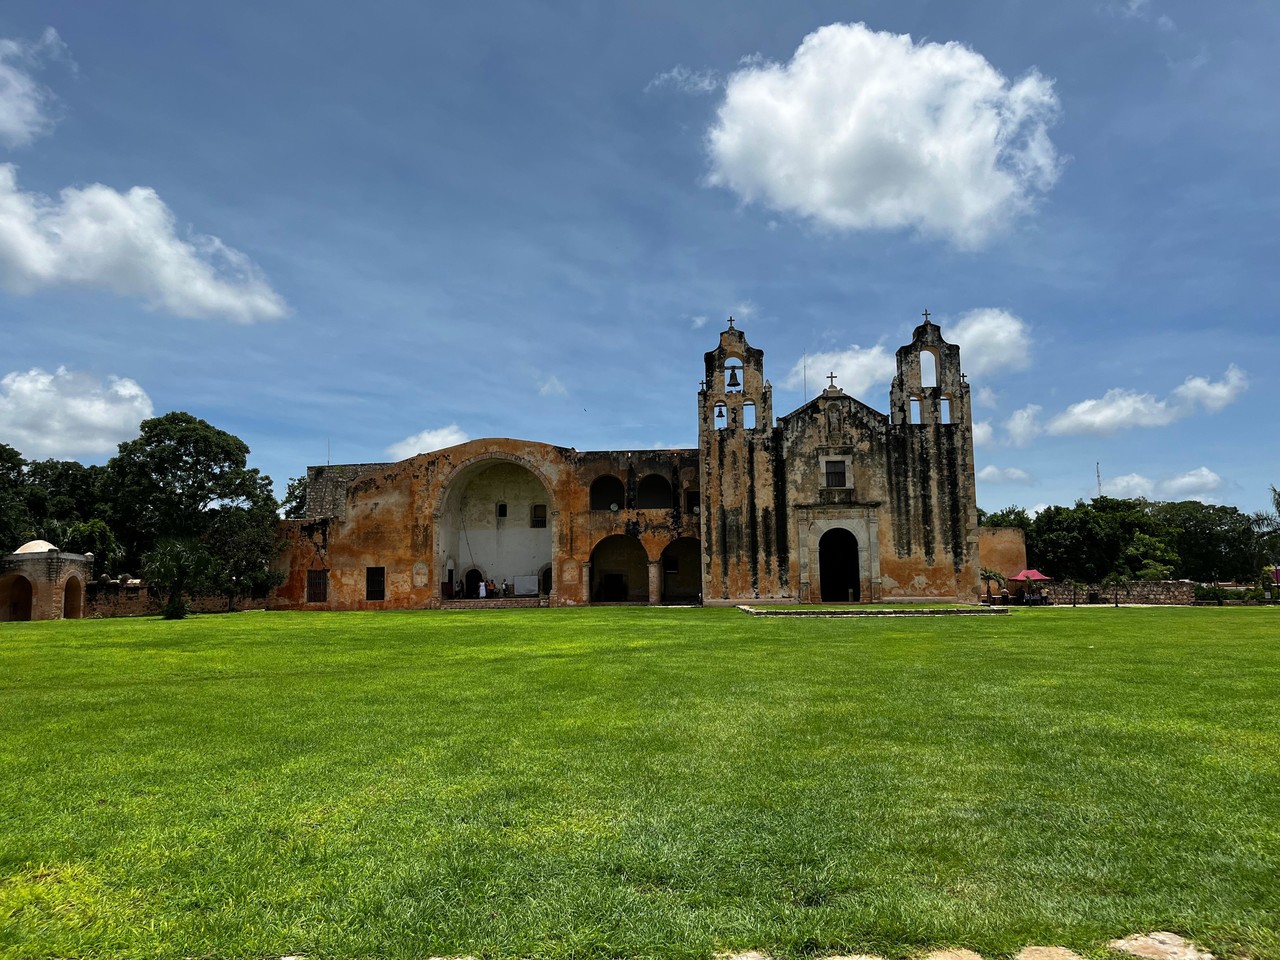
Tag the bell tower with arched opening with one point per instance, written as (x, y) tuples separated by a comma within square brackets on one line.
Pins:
[(736, 447)]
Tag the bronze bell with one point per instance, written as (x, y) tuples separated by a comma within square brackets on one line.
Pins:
[(733, 378), (719, 413)]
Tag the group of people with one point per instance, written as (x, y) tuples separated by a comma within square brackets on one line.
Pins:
[(486, 589)]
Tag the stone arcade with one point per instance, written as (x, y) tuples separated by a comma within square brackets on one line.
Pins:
[(835, 502)]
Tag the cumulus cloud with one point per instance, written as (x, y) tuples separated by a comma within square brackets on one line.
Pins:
[(1197, 484), (428, 440), (126, 243), (865, 130), (857, 369), (26, 106), (1024, 425), (986, 397), (1121, 408), (552, 387), (990, 474), (1129, 486), (686, 80), (68, 414), (983, 434), (990, 340)]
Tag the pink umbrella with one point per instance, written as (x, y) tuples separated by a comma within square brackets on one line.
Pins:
[(1030, 575)]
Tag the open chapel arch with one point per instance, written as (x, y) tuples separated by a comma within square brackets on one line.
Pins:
[(514, 544), (73, 599)]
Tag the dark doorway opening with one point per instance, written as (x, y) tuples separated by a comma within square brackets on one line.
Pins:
[(16, 597), (472, 579), (838, 567)]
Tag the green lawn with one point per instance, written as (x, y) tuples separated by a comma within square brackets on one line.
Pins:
[(630, 782)]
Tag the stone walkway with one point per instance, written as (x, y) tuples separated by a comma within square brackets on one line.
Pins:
[(1160, 945)]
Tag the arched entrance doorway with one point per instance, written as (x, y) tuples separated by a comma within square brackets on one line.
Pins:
[(496, 522), (838, 567), (73, 600), (15, 597), (682, 571), (619, 571), (473, 583)]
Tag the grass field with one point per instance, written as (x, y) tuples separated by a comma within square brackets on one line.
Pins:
[(631, 782)]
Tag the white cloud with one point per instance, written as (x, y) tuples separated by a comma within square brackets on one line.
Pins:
[(699, 322), (1038, 509), (986, 397), (426, 441), (868, 130), (126, 243), (1128, 486), (552, 387), (1024, 425), (1120, 408), (25, 105), (686, 80), (857, 369), (1195, 484), (68, 414), (990, 341), (990, 474), (983, 434)]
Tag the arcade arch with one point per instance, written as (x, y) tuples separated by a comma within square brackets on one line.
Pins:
[(619, 571)]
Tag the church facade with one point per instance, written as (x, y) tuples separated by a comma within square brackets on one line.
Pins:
[(833, 502)]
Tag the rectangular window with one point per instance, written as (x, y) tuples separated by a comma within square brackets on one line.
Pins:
[(502, 510), (317, 586), (691, 503), (375, 583), (835, 473), (944, 410), (538, 515)]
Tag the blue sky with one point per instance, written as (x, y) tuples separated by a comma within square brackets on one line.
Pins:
[(353, 231)]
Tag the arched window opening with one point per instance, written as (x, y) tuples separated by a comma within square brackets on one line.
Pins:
[(928, 369), (749, 415), (915, 410), (944, 410), (721, 418), (607, 493), (654, 493), (733, 377)]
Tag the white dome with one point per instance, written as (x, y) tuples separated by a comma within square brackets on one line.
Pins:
[(36, 546)]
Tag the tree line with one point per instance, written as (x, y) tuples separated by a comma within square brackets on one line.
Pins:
[(179, 506), (1137, 539)]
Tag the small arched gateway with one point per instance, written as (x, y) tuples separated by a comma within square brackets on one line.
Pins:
[(40, 582), (682, 571), (838, 567)]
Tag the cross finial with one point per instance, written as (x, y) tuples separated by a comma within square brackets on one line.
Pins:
[(702, 386), (926, 314), (832, 378), (731, 323)]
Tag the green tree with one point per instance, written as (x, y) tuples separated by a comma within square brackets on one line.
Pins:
[(186, 482), (15, 518), (295, 499), (177, 566)]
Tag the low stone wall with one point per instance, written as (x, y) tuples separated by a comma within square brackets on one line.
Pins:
[(115, 600), (1159, 592)]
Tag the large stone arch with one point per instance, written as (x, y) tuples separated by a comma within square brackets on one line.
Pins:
[(17, 596), (682, 571), (497, 515), (619, 570)]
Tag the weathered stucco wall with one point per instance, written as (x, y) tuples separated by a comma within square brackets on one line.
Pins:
[(1003, 549)]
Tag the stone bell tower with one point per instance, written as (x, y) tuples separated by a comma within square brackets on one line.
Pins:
[(736, 450)]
